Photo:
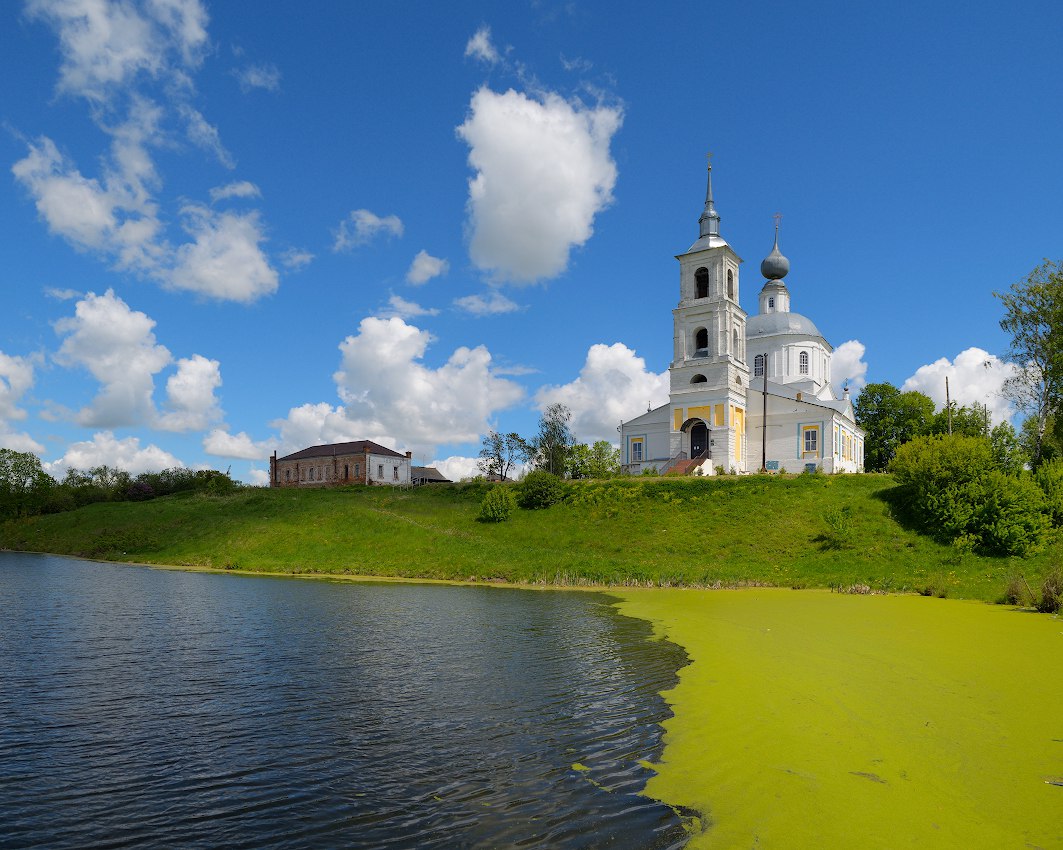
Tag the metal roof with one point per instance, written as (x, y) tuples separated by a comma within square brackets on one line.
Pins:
[(770, 324), (335, 449)]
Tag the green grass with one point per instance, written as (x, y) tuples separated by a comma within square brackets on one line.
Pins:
[(804, 531)]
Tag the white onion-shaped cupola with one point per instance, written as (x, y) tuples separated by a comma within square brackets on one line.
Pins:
[(775, 297)]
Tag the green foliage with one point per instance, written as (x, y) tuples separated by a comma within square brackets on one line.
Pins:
[(578, 464), (1033, 316), (890, 419), (1049, 478), (1008, 452), (952, 489), (497, 504), (501, 453), (1051, 593), (554, 439), (839, 533), (539, 489), (25, 488), (966, 421), (650, 472)]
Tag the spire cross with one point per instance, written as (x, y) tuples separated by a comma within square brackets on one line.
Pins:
[(708, 159), (778, 218)]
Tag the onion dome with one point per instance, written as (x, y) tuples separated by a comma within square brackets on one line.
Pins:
[(775, 266)]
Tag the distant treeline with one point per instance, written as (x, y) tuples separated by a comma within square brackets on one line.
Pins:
[(27, 490)]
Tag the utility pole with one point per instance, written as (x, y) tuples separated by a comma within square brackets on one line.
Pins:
[(764, 419)]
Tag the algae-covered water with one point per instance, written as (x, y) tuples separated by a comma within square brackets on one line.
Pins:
[(816, 720)]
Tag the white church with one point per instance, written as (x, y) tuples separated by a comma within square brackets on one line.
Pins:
[(746, 392)]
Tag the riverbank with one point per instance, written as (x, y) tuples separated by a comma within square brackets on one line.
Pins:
[(804, 531), (815, 720)]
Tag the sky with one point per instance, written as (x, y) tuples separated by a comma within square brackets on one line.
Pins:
[(238, 228)]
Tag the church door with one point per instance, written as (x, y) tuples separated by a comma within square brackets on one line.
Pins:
[(698, 439)]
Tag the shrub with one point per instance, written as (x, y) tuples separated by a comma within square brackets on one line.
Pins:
[(839, 534), (1049, 477), (539, 489), (1017, 591), (650, 471), (497, 504), (1051, 593), (1011, 519)]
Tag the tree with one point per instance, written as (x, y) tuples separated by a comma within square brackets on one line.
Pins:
[(966, 421), (24, 485), (499, 453), (604, 460), (579, 461), (1008, 451), (1033, 315), (554, 439), (890, 419)]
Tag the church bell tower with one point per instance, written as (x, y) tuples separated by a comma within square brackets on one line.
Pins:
[(708, 374)]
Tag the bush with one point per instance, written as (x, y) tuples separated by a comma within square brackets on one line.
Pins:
[(1049, 477), (1051, 593), (497, 504), (539, 489), (1011, 517)]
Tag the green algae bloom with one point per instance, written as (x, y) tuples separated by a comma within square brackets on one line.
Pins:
[(814, 720)]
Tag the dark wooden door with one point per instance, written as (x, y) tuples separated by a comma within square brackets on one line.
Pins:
[(699, 439)]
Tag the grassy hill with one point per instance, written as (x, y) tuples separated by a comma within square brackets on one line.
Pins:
[(804, 531)]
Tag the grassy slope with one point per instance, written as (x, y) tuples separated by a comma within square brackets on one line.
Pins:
[(645, 531)]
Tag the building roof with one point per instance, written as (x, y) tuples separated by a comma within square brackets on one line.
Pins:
[(429, 473), (770, 324), (334, 449)]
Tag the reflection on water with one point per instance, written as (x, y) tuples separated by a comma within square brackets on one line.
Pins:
[(141, 708)]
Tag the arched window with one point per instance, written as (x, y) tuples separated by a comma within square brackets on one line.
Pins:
[(698, 379), (701, 283), (311, 474), (758, 366), (802, 363), (730, 284), (701, 340), (771, 303)]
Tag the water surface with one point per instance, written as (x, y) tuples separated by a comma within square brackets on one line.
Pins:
[(143, 707)]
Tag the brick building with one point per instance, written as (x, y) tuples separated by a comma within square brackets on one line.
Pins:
[(338, 464)]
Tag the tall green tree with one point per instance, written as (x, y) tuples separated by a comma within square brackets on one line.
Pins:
[(966, 421), (554, 439), (604, 460), (500, 453), (890, 419), (1033, 316), (24, 485)]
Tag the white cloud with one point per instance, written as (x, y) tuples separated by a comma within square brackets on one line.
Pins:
[(391, 397), (190, 401), (480, 46), (117, 345), (613, 385), (16, 377), (490, 305), (105, 450), (221, 443), (263, 76), (425, 267), (975, 378), (362, 226), (456, 467), (399, 306), (225, 260), (238, 189), (205, 135), (295, 259), (848, 367), (61, 294), (258, 477), (106, 45), (543, 171)]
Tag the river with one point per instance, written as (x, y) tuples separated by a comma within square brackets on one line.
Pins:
[(143, 707)]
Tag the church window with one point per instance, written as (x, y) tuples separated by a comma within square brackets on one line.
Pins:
[(346, 472), (698, 379), (802, 363), (771, 303), (811, 441), (287, 475), (701, 340), (636, 451), (734, 344), (701, 283), (357, 470), (730, 284), (758, 366), (311, 473)]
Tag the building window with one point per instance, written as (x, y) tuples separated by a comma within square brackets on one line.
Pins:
[(730, 284), (311, 474), (287, 475), (380, 470), (346, 472), (758, 366), (636, 451), (771, 303), (698, 379), (701, 283), (358, 470), (701, 341), (395, 473), (734, 343), (802, 363), (811, 441)]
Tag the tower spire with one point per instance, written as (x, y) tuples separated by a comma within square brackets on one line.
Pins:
[(709, 222)]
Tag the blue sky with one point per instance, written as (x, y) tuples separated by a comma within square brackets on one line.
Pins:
[(233, 228)]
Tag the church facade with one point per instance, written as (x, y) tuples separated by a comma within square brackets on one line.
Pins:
[(746, 392)]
